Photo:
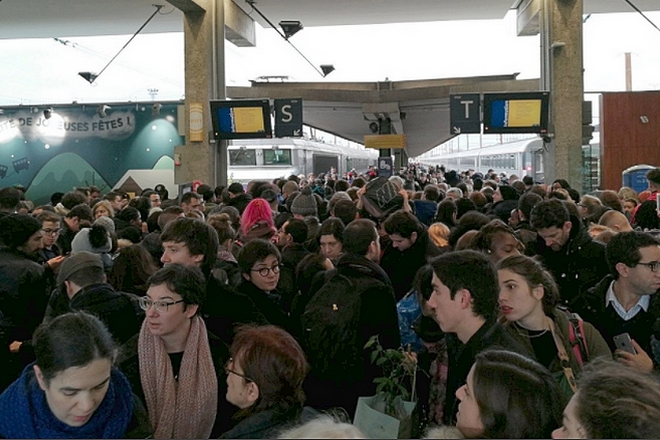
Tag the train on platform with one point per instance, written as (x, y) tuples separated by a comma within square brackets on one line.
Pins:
[(522, 158), (269, 159)]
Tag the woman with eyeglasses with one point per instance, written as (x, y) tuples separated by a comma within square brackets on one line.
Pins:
[(265, 376), (259, 262), (174, 364)]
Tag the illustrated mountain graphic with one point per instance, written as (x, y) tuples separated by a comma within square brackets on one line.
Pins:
[(61, 174)]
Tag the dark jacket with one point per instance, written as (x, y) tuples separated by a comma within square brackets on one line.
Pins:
[(528, 236), (119, 311), (590, 305), (268, 303), (240, 202), (461, 357), (288, 285), (23, 294), (578, 266), (503, 208), (425, 211), (128, 362), (378, 316), (65, 238), (401, 267), (43, 255), (224, 308), (269, 424)]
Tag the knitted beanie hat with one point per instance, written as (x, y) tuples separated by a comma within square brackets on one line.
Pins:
[(77, 262), (106, 222), (95, 240), (16, 229), (305, 203)]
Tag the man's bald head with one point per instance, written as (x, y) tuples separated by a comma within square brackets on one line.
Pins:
[(616, 221)]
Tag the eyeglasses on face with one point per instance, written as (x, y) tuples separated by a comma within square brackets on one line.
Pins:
[(229, 370), (654, 265), (161, 306), (264, 271), (51, 231)]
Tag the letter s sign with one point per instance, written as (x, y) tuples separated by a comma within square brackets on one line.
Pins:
[(287, 116)]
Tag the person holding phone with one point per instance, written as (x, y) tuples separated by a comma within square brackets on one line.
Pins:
[(626, 301)]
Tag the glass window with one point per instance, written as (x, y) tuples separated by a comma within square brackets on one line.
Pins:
[(277, 157), (243, 157)]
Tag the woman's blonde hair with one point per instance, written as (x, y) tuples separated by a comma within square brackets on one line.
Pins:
[(439, 233), (106, 204)]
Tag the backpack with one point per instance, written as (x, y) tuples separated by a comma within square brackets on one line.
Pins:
[(330, 325), (576, 337), (381, 198)]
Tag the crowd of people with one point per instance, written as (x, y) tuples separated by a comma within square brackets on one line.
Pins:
[(527, 310)]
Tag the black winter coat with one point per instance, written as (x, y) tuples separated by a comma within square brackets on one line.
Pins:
[(224, 309), (503, 208), (270, 304), (578, 266), (401, 267), (240, 202), (288, 285), (268, 424), (23, 294), (378, 316), (461, 358), (119, 311)]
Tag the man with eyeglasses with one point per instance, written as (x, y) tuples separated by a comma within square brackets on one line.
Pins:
[(626, 300), (50, 255)]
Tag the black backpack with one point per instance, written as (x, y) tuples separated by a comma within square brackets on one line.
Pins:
[(330, 326), (381, 198)]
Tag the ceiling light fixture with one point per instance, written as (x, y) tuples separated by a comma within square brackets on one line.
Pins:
[(289, 28), (90, 77)]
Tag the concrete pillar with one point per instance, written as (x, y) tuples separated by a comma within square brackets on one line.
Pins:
[(562, 75), (204, 37)]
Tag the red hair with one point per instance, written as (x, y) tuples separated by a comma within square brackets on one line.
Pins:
[(274, 360), (258, 210)]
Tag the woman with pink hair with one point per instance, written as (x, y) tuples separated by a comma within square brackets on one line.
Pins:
[(257, 222)]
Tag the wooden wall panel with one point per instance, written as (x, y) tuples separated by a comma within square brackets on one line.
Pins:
[(625, 138)]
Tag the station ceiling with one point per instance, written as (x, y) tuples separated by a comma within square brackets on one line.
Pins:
[(420, 109), (68, 18)]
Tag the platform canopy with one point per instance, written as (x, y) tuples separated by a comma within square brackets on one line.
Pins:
[(68, 18)]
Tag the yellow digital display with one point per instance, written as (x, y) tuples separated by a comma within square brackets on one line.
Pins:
[(524, 113), (248, 119)]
